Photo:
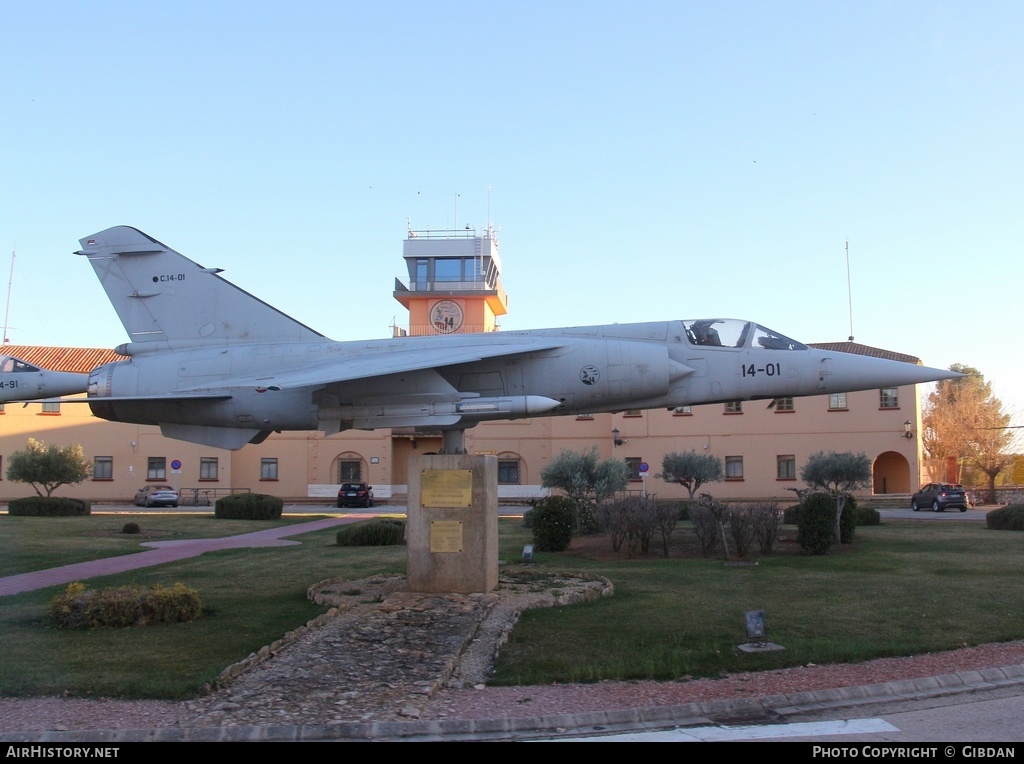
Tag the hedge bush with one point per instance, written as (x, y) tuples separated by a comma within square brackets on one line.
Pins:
[(1009, 518), (847, 520), (382, 532), (552, 520), (868, 516), (248, 506), (131, 528), (81, 608), (816, 523), (791, 515), (48, 506)]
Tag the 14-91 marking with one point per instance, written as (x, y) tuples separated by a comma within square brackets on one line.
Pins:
[(769, 369)]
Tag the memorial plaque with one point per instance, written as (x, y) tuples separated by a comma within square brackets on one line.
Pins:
[(447, 488), (446, 536)]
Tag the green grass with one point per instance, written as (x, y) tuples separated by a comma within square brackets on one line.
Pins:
[(37, 543), (250, 597), (903, 588)]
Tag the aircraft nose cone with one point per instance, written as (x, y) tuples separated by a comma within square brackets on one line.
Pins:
[(849, 371)]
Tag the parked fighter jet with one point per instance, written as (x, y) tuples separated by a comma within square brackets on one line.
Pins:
[(212, 364)]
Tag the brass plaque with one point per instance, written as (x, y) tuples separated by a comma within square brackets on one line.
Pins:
[(446, 536), (446, 488)]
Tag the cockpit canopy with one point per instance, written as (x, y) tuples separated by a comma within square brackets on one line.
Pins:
[(9, 363), (733, 333)]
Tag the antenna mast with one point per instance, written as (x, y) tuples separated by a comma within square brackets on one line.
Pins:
[(849, 287), (7, 311)]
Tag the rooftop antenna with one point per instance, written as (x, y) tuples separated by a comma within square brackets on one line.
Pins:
[(849, 287), (7, 311)]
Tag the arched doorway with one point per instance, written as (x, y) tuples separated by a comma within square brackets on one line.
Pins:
[(890, 473)]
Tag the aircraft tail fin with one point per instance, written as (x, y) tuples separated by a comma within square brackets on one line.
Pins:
[(162, 296)]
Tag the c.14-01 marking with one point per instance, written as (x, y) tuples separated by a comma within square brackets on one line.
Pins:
[(769, 369)]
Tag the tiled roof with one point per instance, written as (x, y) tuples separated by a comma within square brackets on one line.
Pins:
[(81, 360), (858, 349)]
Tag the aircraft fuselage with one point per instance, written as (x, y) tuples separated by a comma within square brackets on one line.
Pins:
[(582, 370)]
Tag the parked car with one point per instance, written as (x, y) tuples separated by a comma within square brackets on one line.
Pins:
[(940, 496), (355, 495), (156, 495)]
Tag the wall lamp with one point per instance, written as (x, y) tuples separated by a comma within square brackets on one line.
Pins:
[(616, 440), (907, 432)]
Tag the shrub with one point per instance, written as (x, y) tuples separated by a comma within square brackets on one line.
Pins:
[(81, 608), (767, 522), (705, 526), (528, 516), (385, 531), (553, 519), (791, 515), (48, 506), (847, 520), (742, 527), (586, 518), (249, 506), (131, 528), (611, 517), (868, 516), (816, 523), (1010, 518), (684, 510)]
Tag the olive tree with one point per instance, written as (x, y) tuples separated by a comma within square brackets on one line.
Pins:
[(691, 470), (48, 467), (583, 477), (837, 474)]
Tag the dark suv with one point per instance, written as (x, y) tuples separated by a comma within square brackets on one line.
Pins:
[(355, 495), (940, 496)]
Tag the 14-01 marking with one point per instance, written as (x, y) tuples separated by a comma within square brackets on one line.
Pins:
[(771, 370)]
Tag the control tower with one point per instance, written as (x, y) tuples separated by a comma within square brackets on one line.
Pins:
[(454, 282)]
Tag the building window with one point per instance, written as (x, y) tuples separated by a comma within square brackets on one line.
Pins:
[(784, 404), (350, 471), (837, 402), (51, 407), (632, 412), (734, 468), (103, 468), (682, 411), (508, 470), (633, 462), (209, 468), (786, 467), (268, 469), (888, 398), (734, 407), (156, 468)]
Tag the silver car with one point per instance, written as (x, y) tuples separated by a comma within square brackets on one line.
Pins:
[(156, 496)]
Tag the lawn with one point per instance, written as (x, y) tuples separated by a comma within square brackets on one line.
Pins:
[(902, 588)]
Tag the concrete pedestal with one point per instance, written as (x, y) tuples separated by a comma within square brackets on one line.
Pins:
[(452, 530)]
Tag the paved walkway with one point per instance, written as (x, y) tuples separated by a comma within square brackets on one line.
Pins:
[(161, 552)]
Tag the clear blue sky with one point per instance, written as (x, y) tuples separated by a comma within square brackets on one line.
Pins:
[(643, 160)]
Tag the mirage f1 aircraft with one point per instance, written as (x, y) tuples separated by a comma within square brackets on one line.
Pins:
[(211, 364)]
